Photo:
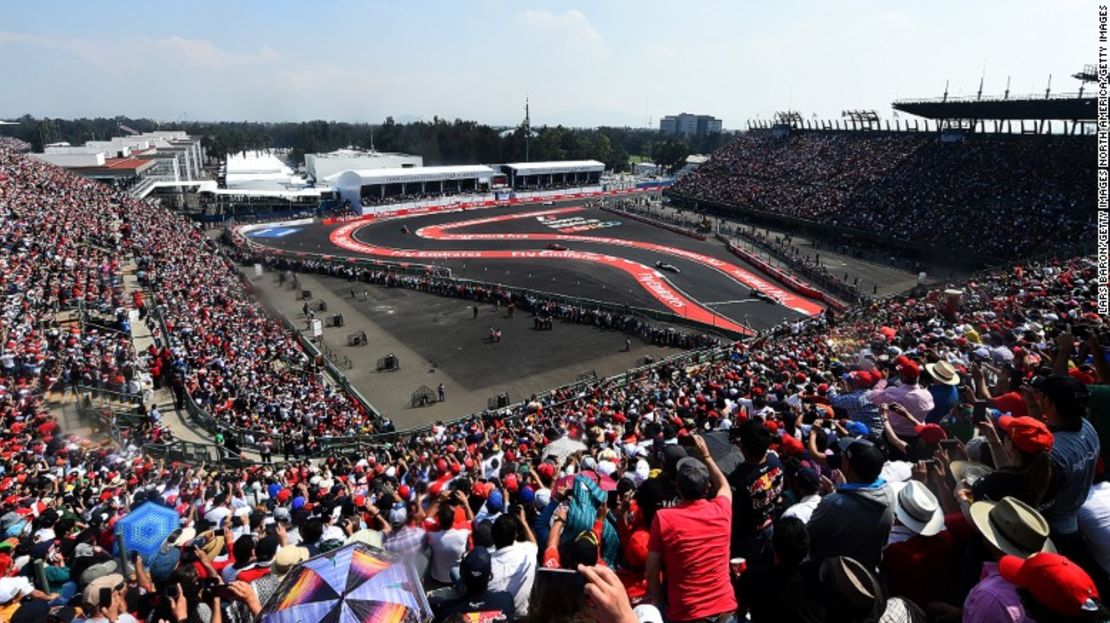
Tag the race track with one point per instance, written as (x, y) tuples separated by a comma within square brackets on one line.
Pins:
[(600, 256)]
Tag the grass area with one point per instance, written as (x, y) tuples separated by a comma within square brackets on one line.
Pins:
[(638, 159)]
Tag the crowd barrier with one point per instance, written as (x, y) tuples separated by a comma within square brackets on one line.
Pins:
[(656, 223), (781, 276)]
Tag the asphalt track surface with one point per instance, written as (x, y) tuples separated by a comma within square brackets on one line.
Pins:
[(613, 263)]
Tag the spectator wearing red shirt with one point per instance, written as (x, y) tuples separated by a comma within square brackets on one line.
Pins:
[(925, 544), (690, 543)]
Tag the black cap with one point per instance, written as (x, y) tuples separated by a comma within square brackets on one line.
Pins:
[(267, 548), (693, 478), (865, 459), (31, 611), (672, 454), (476, 567), (62, 615), (1067, 393)]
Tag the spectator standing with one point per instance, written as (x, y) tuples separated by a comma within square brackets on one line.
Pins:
[(515, 559), (756, 487), (690, 543)]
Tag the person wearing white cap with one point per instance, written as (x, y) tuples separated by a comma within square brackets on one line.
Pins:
[(12, 592), (920, 550)]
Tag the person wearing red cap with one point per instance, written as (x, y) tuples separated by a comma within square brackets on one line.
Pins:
[(1053, 588), (1022, 458)]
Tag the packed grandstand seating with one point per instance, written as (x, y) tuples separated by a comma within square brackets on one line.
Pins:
[(1000, 196), (925, 453)]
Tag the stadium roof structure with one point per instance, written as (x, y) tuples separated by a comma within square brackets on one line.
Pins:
[(557, 166), (116, 168), (1065, 106)]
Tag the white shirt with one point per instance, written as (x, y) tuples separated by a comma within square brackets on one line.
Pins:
[(1094, 523), (803, 509), (447, 548), (216, 515), (514, 570)]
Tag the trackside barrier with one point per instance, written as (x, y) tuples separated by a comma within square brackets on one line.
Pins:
[(779, 275), (656, 223)]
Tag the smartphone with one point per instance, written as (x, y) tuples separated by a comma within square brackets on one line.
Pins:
[(558, 592), (171, 591), (949, 444), (105, 597), (223, 591), (979, 412)]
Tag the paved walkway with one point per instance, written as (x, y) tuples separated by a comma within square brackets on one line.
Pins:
[(176, 419), (484, 369)]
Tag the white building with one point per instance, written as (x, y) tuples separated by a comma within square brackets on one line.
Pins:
[(373, 186), (321, 166), (180, 156)]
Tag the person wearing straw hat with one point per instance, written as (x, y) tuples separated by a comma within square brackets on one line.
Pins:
[(921, 546), (1009, 527), (940, 380)]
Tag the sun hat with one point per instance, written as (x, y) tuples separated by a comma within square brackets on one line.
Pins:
[(968, 471), (1012, 526), (849, 585), (917, 508), (289, 556), (943, 372)]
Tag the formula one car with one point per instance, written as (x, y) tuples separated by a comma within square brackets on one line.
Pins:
[(661, 265), (555, 246), (766, 298)]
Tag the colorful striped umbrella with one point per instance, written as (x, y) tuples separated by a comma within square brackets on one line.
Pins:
[(356, 583)]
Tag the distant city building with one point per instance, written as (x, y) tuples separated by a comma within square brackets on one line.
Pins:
[(321, 166), (686, 124)]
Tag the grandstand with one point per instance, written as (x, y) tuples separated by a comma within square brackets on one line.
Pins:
[(854, 458), (917, 194)]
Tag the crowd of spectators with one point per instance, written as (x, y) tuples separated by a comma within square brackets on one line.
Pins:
[(998, 196), (500, 296), (928, 457)]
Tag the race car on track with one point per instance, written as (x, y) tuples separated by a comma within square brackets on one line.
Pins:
[(766, 298), (548, 203), (555, 246), (661, 265)]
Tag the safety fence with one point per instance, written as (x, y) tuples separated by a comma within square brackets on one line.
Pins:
[(779, 275), (654, 222)]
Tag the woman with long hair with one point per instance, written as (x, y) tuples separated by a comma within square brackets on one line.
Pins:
[(1023, 468)]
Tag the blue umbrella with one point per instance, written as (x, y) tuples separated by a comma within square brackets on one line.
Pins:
[(146, 527)]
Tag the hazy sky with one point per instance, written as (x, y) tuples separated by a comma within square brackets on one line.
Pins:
[(581, 63)]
